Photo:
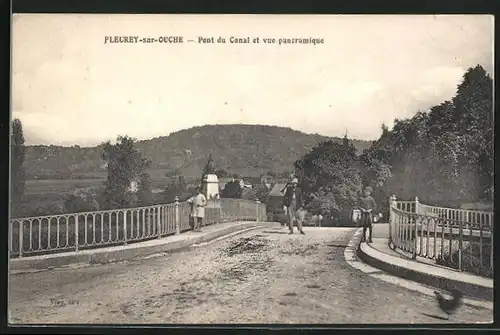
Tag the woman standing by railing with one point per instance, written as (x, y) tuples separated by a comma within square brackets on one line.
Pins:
[(198, 204)]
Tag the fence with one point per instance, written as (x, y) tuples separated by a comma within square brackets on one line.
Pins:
[(457, 238), (76, 231)]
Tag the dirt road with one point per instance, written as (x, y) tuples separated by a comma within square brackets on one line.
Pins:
[(263, 276)]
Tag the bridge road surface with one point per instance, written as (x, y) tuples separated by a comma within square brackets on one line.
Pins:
[(261, 276)]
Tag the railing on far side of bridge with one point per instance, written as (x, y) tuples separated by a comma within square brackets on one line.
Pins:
[(456, 238), (86, 230)]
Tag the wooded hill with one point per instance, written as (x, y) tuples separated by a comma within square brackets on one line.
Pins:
[(243, 149)]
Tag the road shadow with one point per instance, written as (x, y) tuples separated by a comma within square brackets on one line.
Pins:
[(435, 316), (275, 232), (337, 245), (290, 294), (313, 286)]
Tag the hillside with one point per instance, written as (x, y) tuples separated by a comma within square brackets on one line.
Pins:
[(242, 149)]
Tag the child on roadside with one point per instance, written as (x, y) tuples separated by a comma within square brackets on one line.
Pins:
[(367, 205)]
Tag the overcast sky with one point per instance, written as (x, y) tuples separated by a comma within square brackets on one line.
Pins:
[(71, 88)]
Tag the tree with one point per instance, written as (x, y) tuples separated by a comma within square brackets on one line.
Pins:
[(127, 183), (284, 174), (176, 189), (330, 177), (441, 120), (322, 203), (221, 173), (375, 162), (444, 156), (182, 185), (17, 155), (259, 192), (172, 172), (144, 193), (81, 200), (474, 118), (232, 189)]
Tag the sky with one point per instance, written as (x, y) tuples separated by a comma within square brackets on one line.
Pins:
[(69, 87)]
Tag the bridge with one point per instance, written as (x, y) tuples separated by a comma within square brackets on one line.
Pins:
[(258, 274), (459, 238)]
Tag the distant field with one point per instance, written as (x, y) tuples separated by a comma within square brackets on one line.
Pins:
[(56, 187), (50, 192), (479, 206), (59, 186), (47, 186)]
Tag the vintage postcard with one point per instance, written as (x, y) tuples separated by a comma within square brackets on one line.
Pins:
[(251, 169)]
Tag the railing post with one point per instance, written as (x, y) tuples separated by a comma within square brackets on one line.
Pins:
[(177, 216), (77, 229), (21, 237), (417, 212), (158, 222), (125, 226), (460, 244), (257, 213), (492, 224), (218, 207), (11, 233), (415, 236), (392, 204), (391, 217)]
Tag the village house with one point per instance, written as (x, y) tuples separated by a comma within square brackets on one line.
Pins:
[(275, 198), (245, 183), (223, 181)]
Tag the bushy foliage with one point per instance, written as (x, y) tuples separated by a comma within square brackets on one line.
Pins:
[(443, 156), (17, 173), (127, 184), (144, 194), (177, 188), (232, 189), (82, 200), (258, 192), (322, 202), (221, 173), (330, 178), (53, 209)]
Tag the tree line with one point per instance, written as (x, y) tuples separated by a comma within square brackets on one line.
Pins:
[(246, 150), (127, 185), (443, 155)]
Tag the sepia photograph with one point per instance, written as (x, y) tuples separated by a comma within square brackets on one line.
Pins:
[(251, 169)]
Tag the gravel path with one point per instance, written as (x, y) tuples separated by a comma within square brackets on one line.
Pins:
[(263, 276)]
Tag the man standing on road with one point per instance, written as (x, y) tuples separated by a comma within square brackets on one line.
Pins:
[(293, 202), (198, 204), (367, 205)]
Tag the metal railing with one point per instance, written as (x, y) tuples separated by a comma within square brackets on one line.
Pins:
[(86, 230), (456, 238)]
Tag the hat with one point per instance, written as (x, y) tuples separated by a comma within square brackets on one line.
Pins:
[(369, 189), (295, 181)]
